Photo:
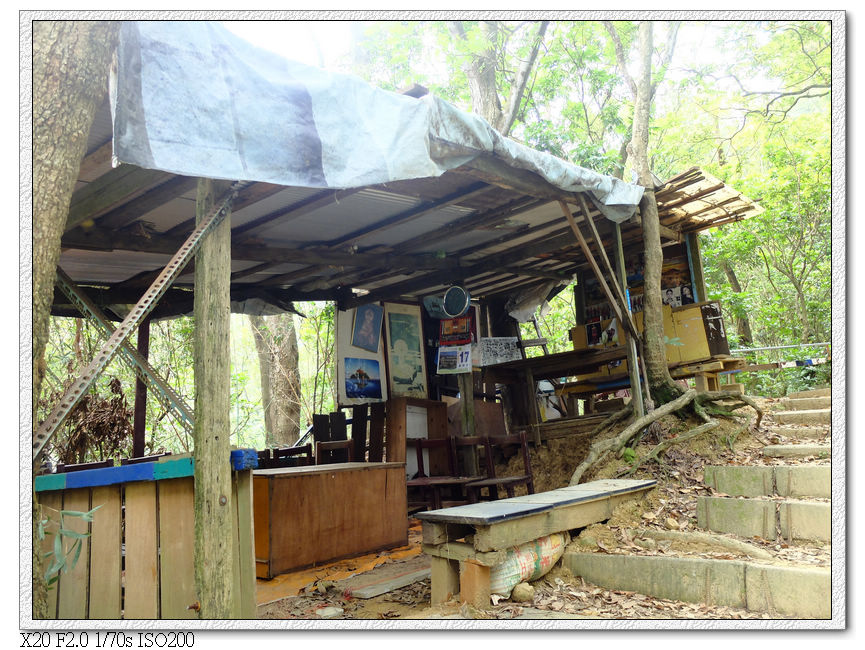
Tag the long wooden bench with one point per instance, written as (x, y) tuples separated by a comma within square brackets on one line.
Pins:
[(465, 542)]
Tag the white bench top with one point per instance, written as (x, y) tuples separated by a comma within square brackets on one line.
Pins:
[(490, 512)]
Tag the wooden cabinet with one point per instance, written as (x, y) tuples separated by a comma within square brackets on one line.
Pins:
[(308, 515)]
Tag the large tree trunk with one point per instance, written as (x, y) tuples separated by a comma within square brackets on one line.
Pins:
[(70, 70), (481, 74), (212, 364), (276, 344), (661, 386), (743, 324)]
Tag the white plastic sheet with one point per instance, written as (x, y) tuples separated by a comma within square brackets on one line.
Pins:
[(192, 98)]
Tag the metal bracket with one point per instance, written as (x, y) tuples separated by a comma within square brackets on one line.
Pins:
[(143, 307), (166, 395)]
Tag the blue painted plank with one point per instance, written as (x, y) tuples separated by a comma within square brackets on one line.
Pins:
[(173, 469), (244, 459), (241, 459), (110, 475), (49, 482)]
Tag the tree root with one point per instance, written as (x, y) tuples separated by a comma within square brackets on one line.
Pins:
[(702, 405), (669, 442), (705, 538), (619, 441)]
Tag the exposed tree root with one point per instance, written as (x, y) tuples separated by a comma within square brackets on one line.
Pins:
[(703, 404), (620, 440), (704, 538), (669, 442)]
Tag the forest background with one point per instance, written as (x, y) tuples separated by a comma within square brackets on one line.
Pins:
[(748, 102)]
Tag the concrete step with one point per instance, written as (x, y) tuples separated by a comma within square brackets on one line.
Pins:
[(797, 451), (803, 432), (795, 592), (796, 520), (810, 417), (768, 480), (814, 392), (807, 403)]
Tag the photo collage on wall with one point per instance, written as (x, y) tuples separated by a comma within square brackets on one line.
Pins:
[(360, 366), (676, 289)]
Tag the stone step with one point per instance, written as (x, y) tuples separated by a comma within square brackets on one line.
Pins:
[(803, 432), (797, 451), (807, 403), (791, 591), (814, 392), (796, 520), (768, 480), (811, 417)]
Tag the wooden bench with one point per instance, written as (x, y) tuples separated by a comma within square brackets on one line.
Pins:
[(464, 542)]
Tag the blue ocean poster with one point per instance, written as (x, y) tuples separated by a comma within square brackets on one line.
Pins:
[(362, 378)]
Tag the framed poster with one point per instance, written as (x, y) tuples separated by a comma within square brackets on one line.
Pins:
[(359, 370), (366, 330), (405, 353)]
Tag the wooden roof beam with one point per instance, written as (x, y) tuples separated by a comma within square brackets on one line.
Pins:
[(107, 240), (109, 191)]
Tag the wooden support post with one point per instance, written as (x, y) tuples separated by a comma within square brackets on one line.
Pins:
[(618, 292), (580, 299), (467, 418), (633, 363), (140, 417), (444, 579), (212, 358), (584, 246), (475, 584)]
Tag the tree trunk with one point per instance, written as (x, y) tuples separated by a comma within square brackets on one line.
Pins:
[(481, 74), (212, 355), (661, 385), (743, 324), (276, 344), (70, 70)]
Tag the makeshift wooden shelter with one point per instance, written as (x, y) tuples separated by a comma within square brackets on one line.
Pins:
[(351, 194)]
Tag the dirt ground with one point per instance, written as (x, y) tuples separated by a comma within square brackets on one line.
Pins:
[(661, 523)]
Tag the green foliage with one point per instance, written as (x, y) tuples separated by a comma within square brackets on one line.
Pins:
[(629, 455), (63, 557)]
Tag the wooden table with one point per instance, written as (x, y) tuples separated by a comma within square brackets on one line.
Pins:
[(496, 526), (304, 516)]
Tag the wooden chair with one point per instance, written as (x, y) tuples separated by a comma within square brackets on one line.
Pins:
[(285, 457), (431, 488), (493, 482), (328, 452), (474, 445)]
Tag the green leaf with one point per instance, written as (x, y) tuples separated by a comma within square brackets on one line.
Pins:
[(58, 546), (71, 533)]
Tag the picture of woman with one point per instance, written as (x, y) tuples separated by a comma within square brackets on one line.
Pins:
[(687, 297), (367, 327)]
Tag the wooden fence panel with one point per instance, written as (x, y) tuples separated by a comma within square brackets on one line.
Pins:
[(52, 503), (105, 547), (176, 544), (141, 586), (72, 596)]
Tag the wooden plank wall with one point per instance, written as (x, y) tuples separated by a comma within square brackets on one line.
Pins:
[(141, 591), (155, 577)]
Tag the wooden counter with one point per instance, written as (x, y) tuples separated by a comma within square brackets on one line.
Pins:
[(305, 516)]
